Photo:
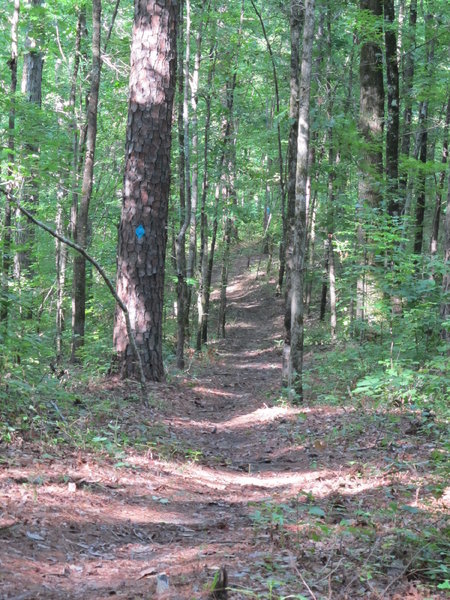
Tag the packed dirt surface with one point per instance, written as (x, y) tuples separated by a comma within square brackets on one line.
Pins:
[(220, 471)]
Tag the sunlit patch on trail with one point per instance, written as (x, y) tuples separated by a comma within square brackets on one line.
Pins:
[(260, 415)]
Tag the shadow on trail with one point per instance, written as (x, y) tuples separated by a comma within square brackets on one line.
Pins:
[(232, 475)]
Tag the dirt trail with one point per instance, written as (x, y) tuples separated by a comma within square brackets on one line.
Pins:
[(231, 477)]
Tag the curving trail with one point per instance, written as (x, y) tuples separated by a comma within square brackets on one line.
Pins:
[(288, 499)]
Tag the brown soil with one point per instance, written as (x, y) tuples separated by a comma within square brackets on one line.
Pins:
[(219, 471)]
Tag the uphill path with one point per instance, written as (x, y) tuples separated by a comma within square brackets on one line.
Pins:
[(219, 472)]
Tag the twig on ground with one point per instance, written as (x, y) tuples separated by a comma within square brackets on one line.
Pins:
[(294, 566)]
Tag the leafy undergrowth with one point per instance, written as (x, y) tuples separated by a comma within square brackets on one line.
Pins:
[(342, 497)]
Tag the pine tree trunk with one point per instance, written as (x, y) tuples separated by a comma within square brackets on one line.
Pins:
[(82, 216), (143, 225)]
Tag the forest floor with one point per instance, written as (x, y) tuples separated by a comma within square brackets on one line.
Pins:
[(327, 500)]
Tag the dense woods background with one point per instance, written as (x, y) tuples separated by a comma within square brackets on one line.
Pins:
[(372, 238)]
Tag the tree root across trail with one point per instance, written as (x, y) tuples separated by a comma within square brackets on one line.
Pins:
[(221, 473)]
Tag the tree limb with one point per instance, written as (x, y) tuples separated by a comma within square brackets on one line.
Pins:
[(105, 278)]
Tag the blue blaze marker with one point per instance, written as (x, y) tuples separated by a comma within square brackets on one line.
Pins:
[(140, 232)]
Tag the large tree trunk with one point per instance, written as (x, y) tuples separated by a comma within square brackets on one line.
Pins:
[(295, 364), (7, 238), (142, 232), (371, 120), (31, 89), (371, 114), (82, 216)]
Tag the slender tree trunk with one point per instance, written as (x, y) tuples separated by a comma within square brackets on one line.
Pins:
[(445, 306), (7, 237), (295, 367), (408, 78), (31, 89), (440, 185), (230, 163), (280, 151), (192, 254), (224, 279), (143, 225), (183, 173), (311, 249), (324, 293), (422, 140), (333, 159), (203, 291), (61, 218), (393, 109), (82, 218), (211, 259), (296, 20)]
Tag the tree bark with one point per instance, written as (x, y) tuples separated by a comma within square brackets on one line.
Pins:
[(393, 109), (333, 160), (408, 78), (280, 151), (296, 20), (203, 291), (371, 120), (192, 253), (445, 305), (7, 237), (143, 225), (440, 185), (229, 162), (371, 114), (295, 365), (183, 173), (63, 192), (82, 216), (31, 89)]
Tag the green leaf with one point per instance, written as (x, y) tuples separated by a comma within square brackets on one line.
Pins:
[(316, 511)]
